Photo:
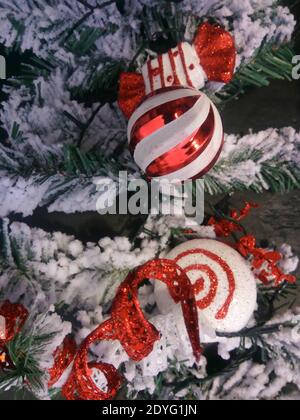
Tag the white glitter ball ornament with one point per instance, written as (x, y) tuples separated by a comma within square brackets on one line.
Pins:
[(225, 286)]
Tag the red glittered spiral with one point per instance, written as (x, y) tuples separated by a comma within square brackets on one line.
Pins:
[(199, 285), (136, 334)]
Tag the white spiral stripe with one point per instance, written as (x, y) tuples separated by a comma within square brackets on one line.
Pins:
[(158, 100), (205, 158), (172, 134)]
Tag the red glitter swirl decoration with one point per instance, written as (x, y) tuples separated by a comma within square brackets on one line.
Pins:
[(129, 325), (199, 285)]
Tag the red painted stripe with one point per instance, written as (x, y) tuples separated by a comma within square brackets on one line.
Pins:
[(150, 75), (199, 284), (161, 67), (173, 66)]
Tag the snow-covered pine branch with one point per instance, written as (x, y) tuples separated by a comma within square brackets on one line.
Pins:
[(275, 379), (43, 270), (81, 38), (268, 160), (43, 26), (32, 352), (57, 268), (66, 179), (43, 161)]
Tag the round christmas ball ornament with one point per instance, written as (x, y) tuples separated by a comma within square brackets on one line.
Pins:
[(224, 285), (175, 134)]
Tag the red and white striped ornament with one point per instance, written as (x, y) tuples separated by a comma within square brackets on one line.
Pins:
[(224, 285), (175, 134), (210, 57)]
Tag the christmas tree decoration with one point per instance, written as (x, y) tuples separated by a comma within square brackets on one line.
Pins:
[(211, 57), (136, 334), (225, 227), (264, 262), (80, 384), (169, 309), (176, 134), (15, 317), (224, 286), (128, 325), (134, 344), (63, 357), (85, 138)]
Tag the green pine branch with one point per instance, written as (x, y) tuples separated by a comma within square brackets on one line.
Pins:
[(274, 177), (276, 174), (23, 350), (270, 63), (69, 161)]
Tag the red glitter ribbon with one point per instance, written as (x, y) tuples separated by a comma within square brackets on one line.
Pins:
[(216, 50), (131, 92), (217, 54), (264, 262), (16, 315), (63, 357), (135, 333), (129, 325), (225, 227), (80, 385)]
